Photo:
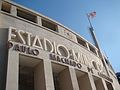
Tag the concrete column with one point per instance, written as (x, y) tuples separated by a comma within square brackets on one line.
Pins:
[(91, 81), (87, 46), (14, 10), (86, 82), (65, 82), (61, 30), (39, 20), (104, 84), (43, 79), (97, 52), (73, 79), (12, 71), (113, 86), (39, 79), (99, 85), (48, 75)]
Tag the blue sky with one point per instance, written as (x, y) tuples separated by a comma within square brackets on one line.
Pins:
[(72, 13)]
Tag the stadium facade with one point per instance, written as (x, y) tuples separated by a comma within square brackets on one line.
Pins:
[(38, 53)]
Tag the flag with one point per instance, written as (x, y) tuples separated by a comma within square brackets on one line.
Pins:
[(92, 14)]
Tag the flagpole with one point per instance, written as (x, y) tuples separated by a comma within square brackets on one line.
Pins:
[(93, 33), (97, 43), (89, 21)]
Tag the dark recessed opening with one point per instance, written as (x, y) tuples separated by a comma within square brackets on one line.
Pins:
[(49, 25), (26, 78), (26, 15), (98, 83), (56, 81), (109, 86), (81, 42), (92, 49), (6, 7)]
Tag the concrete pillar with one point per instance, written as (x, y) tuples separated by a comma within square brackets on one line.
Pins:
[(91, 81), (99, 85), (86, 82), (87, 46), (65, 82), (14, 10), (48, 75), (39, 79), (73, 79), (12, 71), (61, 30), (97, 52), (39, 20), (43, 79), (113, 86), (104, 84)]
